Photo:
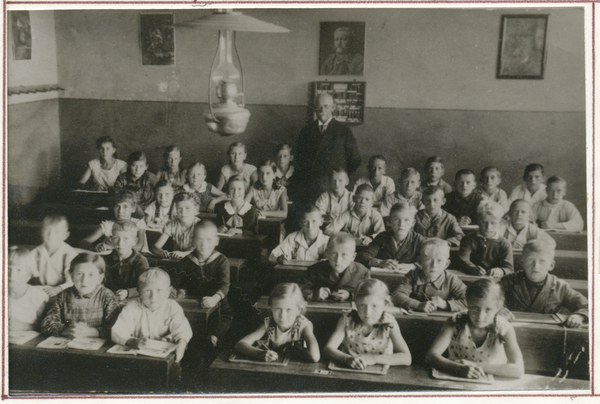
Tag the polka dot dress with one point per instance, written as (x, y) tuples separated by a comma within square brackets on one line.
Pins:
[(376, 342), (462, 345)]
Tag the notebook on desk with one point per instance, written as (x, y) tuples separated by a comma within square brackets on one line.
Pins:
[(540, 318), (21, 337), (377, 270), (437, 374), (371, 369)]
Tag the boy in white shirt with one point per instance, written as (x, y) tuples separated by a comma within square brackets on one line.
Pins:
[(554, 213), (308, 244), (153, 316), (363, 222), (335, 202), (54, 256), (534, 189)]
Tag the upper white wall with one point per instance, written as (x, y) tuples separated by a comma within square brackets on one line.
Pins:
[(415, 58)]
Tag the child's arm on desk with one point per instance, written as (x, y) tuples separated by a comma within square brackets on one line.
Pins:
[(332, 351), (85, 177), (140, 243), (157, 247), (514, 367), (312, 352), (401, 355), (244, 346), (435, 359), (88, 242), (283, 207), (464, 259)]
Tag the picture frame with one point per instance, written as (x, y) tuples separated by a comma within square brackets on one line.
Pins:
[(21, 33), (157, 38), (342, 48), (522, 46)]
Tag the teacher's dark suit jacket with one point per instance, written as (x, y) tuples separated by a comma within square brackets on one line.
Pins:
[(317, 154)]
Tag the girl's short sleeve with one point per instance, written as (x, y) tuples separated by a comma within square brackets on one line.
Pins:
[(169, 228), (106, 227), (121, 165), (502, 325), (141, 224)]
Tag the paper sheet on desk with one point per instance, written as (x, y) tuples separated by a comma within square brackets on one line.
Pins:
[(21, 337), (371, 369), (281, 360), (378, 270), (436, 374), (54, 343)]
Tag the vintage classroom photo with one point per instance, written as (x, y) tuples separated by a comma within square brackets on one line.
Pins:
[(382, 200)]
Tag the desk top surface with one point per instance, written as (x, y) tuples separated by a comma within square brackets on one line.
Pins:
[(32, 346), (417, 377)]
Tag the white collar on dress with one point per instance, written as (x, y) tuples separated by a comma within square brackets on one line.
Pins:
[(230, 210)]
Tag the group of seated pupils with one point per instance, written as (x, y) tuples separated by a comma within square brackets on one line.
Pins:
[(407, 226)]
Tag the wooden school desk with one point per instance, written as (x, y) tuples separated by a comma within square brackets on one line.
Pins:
[(32, 369), (271, 227), (28, 232), (75, 213), (295, 271), (169, 264), (300, 377), (238, 246), (541, 344), (565, 240)]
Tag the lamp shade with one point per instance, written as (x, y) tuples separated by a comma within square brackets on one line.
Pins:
[(234, 21)]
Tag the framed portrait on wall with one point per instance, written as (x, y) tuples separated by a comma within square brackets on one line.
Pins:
[(522, 49), (21, 33), (157, 39), (342, 48)]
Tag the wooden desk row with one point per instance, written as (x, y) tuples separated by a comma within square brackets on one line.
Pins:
[(565, 240), (541, 344), (299, 377), (297, 273), (27, 232)]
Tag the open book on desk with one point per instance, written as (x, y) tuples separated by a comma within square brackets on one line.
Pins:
[(84, 344), (156, 349)]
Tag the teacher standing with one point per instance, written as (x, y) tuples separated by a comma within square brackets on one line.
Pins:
[(324, 144)]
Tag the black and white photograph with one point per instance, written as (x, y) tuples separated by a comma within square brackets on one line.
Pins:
[(276, 215)]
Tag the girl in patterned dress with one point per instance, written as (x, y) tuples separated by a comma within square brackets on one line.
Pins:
[(478, 341), (368, 335), (269, 198), (207, 195), (285, 332), (180, 230)]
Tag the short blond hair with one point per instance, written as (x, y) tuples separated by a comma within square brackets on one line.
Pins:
[(538, 246), (341, 238), (152, 275), (489, 207), (373, 286), (288, 291), (434, 244)]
